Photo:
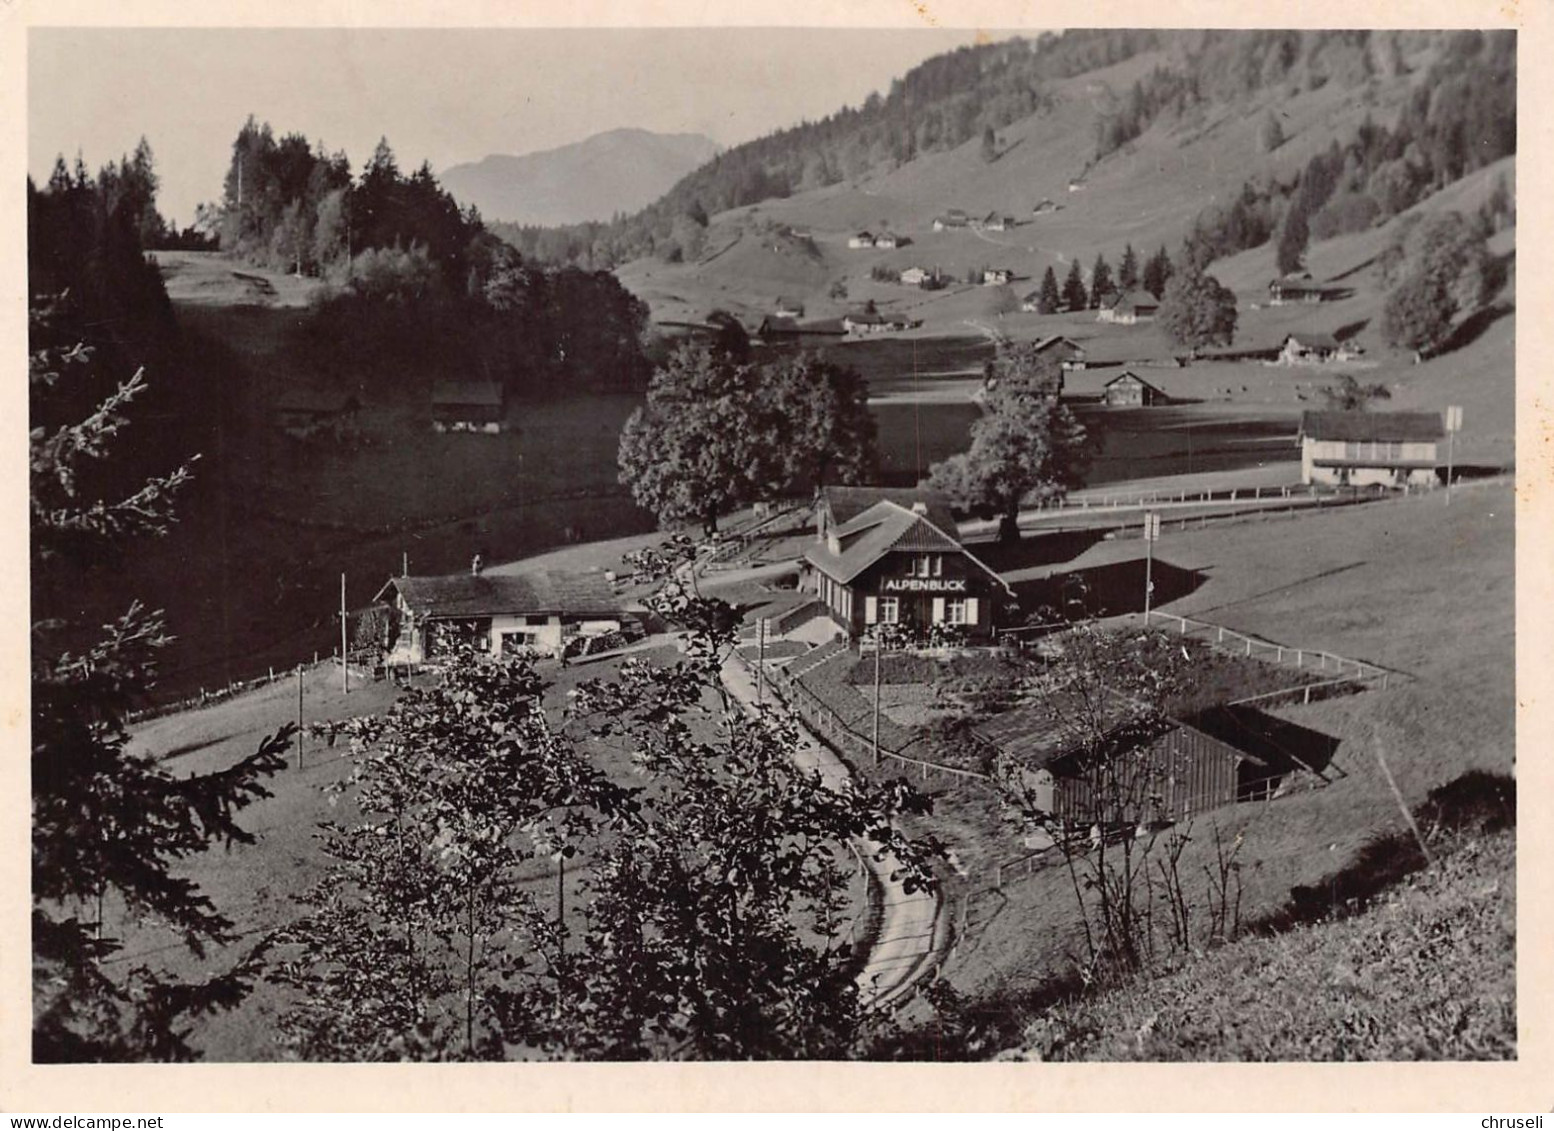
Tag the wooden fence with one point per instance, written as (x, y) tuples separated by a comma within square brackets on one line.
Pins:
[(1340, 668)]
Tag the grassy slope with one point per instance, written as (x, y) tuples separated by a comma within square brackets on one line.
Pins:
[(1146, 193), (1423, 975)]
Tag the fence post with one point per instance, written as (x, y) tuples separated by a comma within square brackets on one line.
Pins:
[(1221, 634), (998, 877), (1308, 695), (1248, 645), (1299, 658)]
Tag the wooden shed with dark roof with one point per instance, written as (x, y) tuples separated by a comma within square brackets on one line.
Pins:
[(1157, 768), (468, 406), (892, 564)]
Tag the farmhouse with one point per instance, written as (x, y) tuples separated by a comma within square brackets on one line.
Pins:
[(996, 276), (893, 564), (536, 613), (1311, 349), (468, 406), (1129, 390), (871, 322), (304, 413), (915, 276), (954, 218), (1159, 769), (786, 308), (993, 222), (1070, 352), (1129, 309), (1282, 291), (1044, 206), (1360, 449), (777, 328), (887, 240), (860, 240), (1031, 303)]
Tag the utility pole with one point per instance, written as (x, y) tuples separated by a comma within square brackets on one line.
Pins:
[(1453, 426), (1151, 534), (760, 662), (879, 646), (299, 716), (345, 668), (404, 563)]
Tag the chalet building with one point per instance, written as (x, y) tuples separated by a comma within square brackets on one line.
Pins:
[(1129, 309), (786, 308), (1315, 349), (1282, 291), (1076, 186), (305, 413), (1044, 206), (468, 406), (499, 614), (869, 322), (887, 240), (993, 222), (860, 240), (1165, 770), (1031, 303), (1362, 449), (892, 564), (996, 276), (1129, 390), (915, 276), (954, 218), (1068, 351)]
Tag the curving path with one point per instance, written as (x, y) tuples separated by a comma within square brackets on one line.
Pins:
[(904, 946)]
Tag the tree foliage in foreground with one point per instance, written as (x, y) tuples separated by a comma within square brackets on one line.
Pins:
[(706, 924), (1025, 447), (111, 828)]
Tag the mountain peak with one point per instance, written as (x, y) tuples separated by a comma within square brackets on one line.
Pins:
[(619, 170)]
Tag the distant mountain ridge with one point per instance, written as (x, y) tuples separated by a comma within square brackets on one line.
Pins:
[(593, 179)]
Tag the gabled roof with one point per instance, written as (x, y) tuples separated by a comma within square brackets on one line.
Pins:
[(1134, 300), (847, 503), (488, 594), (1054, 339), (884, 527), (487, 393), (1129, 375), (1373, 427), (1314, 341), (1045, 734)]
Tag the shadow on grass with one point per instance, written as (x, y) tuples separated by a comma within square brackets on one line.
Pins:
[(1476, 804), (1473, 327), (1108, 590)]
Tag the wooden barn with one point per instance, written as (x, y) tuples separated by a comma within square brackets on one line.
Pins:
[(1156, 769), (1129, 309), (1129, 390), (1068, 352), (305, 413), (468, 406)]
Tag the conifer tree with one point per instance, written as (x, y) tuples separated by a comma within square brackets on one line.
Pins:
[(1075, 297)]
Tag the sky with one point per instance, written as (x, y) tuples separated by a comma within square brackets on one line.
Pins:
[(446, 96)]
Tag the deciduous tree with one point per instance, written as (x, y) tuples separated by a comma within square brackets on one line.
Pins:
[(1197, 310), (1026, 447)]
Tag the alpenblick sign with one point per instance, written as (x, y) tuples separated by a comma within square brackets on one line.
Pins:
[(923, 585)]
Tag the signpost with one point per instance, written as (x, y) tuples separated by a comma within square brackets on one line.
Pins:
[(1453, 426), (1151, 536)]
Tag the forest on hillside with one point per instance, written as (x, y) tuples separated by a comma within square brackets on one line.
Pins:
[(416, 282), (1462, 115)]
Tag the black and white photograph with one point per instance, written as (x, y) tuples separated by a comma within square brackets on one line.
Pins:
[(908, 543)]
